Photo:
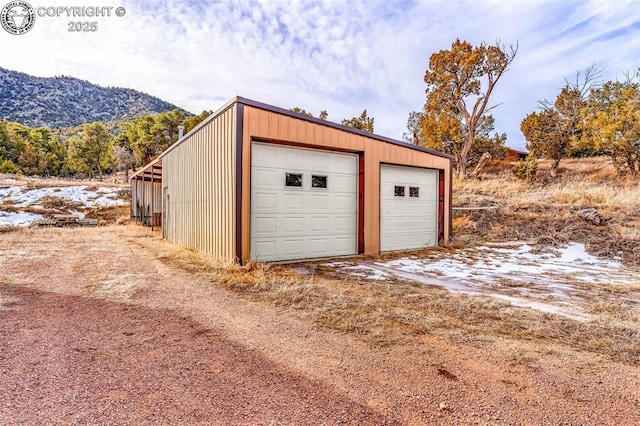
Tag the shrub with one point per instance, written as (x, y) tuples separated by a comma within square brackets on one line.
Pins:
[(526, 170), (7, 166)]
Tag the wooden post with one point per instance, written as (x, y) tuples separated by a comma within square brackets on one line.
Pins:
[(152, 198)]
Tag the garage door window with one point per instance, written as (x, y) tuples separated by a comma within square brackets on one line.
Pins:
[(414, 191), (318, 181), (293, 179), (398, 191)]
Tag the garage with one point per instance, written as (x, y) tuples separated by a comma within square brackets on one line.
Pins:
[(303, 203), (258, 183), (408, 207)]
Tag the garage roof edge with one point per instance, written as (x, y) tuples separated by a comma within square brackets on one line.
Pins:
[(203, 123), (301, 116), (283, 111)]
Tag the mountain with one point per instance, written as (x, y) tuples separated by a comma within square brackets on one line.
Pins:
[(67, 101)]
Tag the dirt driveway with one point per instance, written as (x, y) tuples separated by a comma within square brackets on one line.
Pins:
[(95, 329)]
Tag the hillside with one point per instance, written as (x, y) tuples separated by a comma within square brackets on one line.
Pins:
[(67, 101), (498, 207)]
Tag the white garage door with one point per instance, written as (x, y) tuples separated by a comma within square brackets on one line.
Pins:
[(408, 207), (303, 203)]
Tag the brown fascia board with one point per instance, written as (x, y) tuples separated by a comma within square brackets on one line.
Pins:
[(289, 113), (146, 167), (305, 117), (518, 151)]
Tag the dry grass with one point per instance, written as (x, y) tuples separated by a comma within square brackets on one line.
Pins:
[(121, 287), (546, 212), (8, 206), (388, 312), (108, 214), (52, 202), (116, 180)]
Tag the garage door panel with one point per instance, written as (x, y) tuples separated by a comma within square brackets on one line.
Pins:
[(263, 156), (320, 202), (291, 201), (344, 203), (264, 249), (342, 164), (315, 161), (344, 223), (309, 221), (319, 246), (319, 223), (343, 245), (266, 178), (290, 158), (265, 226), (293, 225), (408, 221), (339, 183), (403, 225), (265, 201), (416, 210), (290, 247)]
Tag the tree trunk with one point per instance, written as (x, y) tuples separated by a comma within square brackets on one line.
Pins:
[(554, 167), (458, 164), (485, 157), (469, 135)]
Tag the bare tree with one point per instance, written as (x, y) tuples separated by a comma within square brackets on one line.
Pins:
[(125, 160)]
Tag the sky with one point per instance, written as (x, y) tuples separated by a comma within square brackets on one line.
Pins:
[(339, 56)]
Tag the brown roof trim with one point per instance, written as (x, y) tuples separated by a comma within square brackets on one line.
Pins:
[(283, 111), (300, 116), (146, 167), (518, 151)]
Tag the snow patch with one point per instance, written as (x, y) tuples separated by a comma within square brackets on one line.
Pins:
[(18, 219), (557, 280), (20, 196)]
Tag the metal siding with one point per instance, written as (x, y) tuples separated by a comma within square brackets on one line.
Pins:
[(200, 180), (261, 123)]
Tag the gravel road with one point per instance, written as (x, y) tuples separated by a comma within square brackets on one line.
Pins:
[(97, 330)]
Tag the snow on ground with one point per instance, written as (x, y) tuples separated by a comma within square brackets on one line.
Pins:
[(19, 197), (18, 219), (522, 264), (560, 281)]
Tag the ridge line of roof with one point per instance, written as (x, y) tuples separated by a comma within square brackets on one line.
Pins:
[(279, 110), (289, 113)]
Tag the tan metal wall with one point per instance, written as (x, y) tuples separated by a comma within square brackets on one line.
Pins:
[(198, 176), (263, 124)]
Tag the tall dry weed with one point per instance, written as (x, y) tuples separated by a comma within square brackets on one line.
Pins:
[(547, 211)]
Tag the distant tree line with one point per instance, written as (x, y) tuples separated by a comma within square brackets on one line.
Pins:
[(93, 149), (589, 117), (362, 122)]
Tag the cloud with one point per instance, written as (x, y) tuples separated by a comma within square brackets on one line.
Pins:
[(335, 55)]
